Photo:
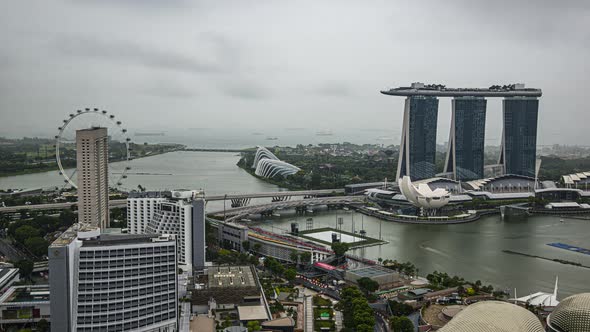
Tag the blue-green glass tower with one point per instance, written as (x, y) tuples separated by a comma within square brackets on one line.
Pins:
[(519, 139), (418, 143), (465, 155)]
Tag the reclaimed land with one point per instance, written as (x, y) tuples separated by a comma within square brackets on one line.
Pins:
[(558, 260)]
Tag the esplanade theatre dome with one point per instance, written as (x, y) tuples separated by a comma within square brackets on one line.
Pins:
[(494, 316), (571, 315)]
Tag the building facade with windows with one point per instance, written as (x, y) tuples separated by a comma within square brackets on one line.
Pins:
[(179, 212), (92, 160), (465, 154), (418, 143), (113, 282), (519, 138)]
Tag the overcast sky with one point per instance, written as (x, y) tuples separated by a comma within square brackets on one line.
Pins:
[(165, 64)]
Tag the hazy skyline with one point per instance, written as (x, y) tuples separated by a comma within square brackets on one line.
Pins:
[(236, 64)]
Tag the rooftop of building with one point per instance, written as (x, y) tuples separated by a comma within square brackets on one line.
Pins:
[(252, 312), (25, 294), (279, 322), (231, 276), (439, 90), (176, 194), (92, 236), (494, 316), (572, 314), (202, 323), (110, 239), (371, 271)]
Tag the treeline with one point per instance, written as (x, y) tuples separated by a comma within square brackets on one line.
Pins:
[(358, 315), (552, 168), (34, 235), (32, 155)]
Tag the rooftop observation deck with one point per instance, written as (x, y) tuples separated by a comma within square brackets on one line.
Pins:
[(438, 90)]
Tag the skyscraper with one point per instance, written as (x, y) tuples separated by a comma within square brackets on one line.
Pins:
[(92, 159), (519, 137), (179, 212), (418, 143), (465, 155), (113, 282)]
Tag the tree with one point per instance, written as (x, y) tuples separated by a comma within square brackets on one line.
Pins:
[(401, 324), (400, 309), (246, 245), (340, 248), (290, 274), (294, 256), (253, 325), (305, 257), (25, 267), (367, 285), (25, 232), (37, 245), (43, 325)]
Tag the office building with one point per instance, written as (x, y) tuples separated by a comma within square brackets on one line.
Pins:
[(179, 212), (418, 144), (519, 138), (103, 281), (92, 159), (465, 155)]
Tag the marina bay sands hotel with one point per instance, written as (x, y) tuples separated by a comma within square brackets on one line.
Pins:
[(465, 155)]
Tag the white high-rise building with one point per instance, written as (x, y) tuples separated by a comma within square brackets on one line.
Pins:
[(140, 209), (92, 161), (180, 213), (113, 282)]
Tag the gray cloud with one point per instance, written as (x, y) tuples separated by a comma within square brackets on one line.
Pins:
[(131, 53), (139, 57), (335, 89), (245, 90)]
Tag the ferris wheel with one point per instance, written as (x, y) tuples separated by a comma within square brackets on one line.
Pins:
[(118, 141)]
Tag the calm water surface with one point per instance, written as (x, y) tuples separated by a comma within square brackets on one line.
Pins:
[(472, 250)]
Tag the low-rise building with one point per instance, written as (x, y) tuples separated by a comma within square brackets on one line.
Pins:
[(25, 304)]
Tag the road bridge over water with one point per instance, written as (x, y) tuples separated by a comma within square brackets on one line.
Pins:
[(264, 208), (240, 199)]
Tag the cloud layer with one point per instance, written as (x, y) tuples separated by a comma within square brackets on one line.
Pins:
[(227, 64)]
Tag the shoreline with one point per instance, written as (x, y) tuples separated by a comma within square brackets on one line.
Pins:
[(49, 169)]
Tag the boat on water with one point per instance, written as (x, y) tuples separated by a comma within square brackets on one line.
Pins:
[(272, 138)]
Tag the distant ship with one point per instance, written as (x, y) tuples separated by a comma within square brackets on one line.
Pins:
[(257, 134), (272, 138), (149, 134), (324, 133), (384, 138)]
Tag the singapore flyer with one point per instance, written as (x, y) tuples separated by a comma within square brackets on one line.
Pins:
[(119, 145)]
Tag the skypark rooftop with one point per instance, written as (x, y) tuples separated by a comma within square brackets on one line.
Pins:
[(438, 90)]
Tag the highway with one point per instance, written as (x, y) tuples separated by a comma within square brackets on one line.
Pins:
[(256, 209), (56, 206), (276, 194), (123, 202)]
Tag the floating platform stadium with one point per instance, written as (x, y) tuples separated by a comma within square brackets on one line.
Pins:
[(328, 235)]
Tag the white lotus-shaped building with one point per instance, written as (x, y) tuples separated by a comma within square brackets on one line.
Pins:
[(267, 165), (422, 195)]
